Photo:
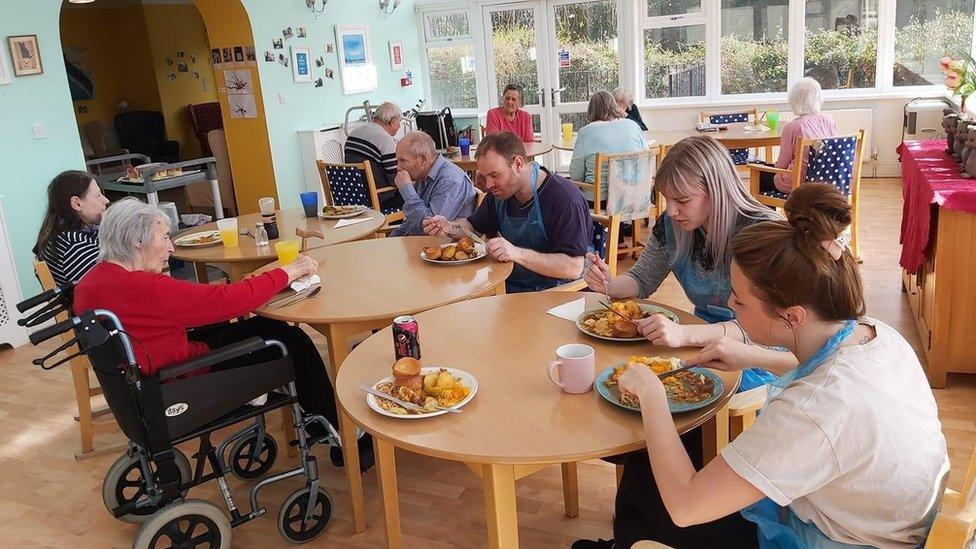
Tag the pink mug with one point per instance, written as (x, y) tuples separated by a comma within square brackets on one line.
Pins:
[(576, 365)]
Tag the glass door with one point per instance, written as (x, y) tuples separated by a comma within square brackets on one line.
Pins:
[(583, 59), (515, 43)]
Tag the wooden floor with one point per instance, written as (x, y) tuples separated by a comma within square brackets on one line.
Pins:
[(47, 499)]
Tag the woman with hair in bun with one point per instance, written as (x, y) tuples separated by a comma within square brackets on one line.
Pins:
[(707, 206), (848, 451)]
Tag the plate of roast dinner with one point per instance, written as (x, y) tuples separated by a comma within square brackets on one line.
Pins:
[(463, 251), (618, 324), (431, 389), (689, 390)]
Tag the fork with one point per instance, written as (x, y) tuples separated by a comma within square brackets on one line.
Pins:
[(609, 308)]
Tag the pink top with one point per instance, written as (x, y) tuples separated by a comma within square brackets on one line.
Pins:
[(521, 126), (803, 126)]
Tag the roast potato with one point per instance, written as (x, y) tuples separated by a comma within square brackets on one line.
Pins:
[(433, 252), (460, 256), (622, 328), (466, 245), (447, 252)]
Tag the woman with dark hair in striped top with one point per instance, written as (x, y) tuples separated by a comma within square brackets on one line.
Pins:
[(68, 239)]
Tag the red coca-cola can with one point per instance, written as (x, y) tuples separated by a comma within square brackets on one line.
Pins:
[(406, 337)]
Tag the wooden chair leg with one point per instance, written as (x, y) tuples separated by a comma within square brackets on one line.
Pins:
[(619, 469), (79, 375), (636, 239)]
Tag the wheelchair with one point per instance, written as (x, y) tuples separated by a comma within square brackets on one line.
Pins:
[(149, 483)]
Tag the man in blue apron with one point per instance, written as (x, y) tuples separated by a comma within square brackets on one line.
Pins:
[(537, 219)]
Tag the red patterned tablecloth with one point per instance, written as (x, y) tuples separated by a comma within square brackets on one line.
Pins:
[(929, 176)]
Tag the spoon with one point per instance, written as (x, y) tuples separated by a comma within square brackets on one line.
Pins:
[(244, 231)]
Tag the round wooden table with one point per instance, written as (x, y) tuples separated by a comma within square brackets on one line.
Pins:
[(247, 257), (365, 285), (519, 422), (469, 164), (736, 137)]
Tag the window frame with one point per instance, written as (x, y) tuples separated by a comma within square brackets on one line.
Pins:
[(471, 39)]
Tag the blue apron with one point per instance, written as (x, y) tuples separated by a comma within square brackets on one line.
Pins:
[(778, 527), (528, 232), (710, 295)]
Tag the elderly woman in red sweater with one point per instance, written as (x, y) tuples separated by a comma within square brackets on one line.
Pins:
[(509, 116), (158, 311)]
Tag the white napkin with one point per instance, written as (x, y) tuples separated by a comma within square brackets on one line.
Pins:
[(569, 311), (305, 282), (347, 222)]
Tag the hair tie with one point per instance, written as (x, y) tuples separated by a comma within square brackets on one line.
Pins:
[(836, 246)]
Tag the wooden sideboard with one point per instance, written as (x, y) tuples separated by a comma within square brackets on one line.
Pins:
[(943, 295)]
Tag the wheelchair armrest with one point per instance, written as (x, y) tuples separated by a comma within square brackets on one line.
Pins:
[(212, 358)]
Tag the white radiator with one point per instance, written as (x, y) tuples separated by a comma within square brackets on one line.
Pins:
[(10, 295)]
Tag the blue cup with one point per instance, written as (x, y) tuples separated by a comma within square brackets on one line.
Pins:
[(465, 144), (310, 202)]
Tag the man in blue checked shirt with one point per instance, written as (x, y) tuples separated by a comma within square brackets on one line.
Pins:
[(429, 185)]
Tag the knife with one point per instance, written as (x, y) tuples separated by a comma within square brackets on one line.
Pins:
[(475, 237), (299, 296), (684, 368), (404, 404)]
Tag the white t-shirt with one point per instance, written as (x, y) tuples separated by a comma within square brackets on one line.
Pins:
[(855, 447)]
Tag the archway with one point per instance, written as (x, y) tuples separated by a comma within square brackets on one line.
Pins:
[(166, 65)]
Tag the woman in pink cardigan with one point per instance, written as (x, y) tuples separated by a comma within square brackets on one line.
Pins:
[(510, 117), (805, 101)]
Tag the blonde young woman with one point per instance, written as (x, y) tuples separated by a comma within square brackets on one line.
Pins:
[(848, 451), (707, 206)]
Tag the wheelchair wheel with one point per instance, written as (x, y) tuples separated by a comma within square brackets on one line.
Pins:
[(291, 517), (124, 484), (185, 524), (244, 464)]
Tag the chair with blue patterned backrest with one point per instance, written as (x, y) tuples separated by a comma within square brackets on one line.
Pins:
[(740, 157), (835, 160), (351, 184)]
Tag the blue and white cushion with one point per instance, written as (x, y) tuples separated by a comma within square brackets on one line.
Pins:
[(832, 161), (775, 194), (348, 186), (739, 156)]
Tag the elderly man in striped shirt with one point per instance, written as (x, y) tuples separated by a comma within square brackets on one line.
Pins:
[(374, 142)]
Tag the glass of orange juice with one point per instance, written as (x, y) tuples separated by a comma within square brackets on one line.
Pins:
[(228, 232), (287, 251)]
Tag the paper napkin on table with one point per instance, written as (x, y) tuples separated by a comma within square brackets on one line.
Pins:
[(569, 311), (305, 282), (347, 222)]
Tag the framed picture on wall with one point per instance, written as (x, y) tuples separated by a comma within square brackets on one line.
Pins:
[(4, 68), (26, 55), (301, 63), (396, 56), (356, 66)]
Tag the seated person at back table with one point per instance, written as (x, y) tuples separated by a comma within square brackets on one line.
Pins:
[(540, 219), (374, 142), (509, 116), (609, 131), (68, 239), (429, 185), (625, 100), (805, 102)]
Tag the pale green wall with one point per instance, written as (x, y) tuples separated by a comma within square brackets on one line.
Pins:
[(308, 107), (30, 164)]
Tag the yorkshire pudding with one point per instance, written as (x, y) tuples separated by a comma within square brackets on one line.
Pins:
[(622, 328)]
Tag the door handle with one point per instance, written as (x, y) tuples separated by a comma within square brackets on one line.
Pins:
[(554, 92), (542, 96)]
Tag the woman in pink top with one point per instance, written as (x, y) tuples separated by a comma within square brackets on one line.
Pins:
[(805, 101), (510, 117)]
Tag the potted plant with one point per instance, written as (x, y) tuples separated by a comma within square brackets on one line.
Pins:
[(960, 76)]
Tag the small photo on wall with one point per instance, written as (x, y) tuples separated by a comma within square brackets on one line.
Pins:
[(320, 61), (329, 73), (269, 57), (319, 83), (228, 55), (250, 54), (287, 33), (180, 53), (182, 67), (282, 59), (26, 55), (302, 32), (278, 44), (239, 54), (238, 82), (329, 48)]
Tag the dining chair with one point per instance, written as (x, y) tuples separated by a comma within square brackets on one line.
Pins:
[(630, 191), (91, 419), (609, 225), (740, 157), (353, 184), (835, 160)]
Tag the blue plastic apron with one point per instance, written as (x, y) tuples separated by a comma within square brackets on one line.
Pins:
[(528, 232), (710, 295), (778, 527)]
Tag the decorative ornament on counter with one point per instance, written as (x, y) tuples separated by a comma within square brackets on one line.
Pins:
[(969, 154), (950, 119)]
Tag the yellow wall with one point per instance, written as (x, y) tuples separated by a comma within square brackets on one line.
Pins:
[(171, 29), (247, 138), (112, 46)]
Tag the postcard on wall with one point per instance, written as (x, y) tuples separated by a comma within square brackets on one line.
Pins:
[(26, 55), (242, 106), (228, 56), (278, 44), (238, 82), (396, 56), (215, 57), (238, 54), (301, 59), (251, 55)]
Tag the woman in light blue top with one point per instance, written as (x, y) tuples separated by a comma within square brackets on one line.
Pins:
[(608, 131)]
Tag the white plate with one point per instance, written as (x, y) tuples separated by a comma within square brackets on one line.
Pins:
[(480, 249), (360, 211), (125, 179), (646, 307), (465, 378), (181, 241), (756, 128)]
